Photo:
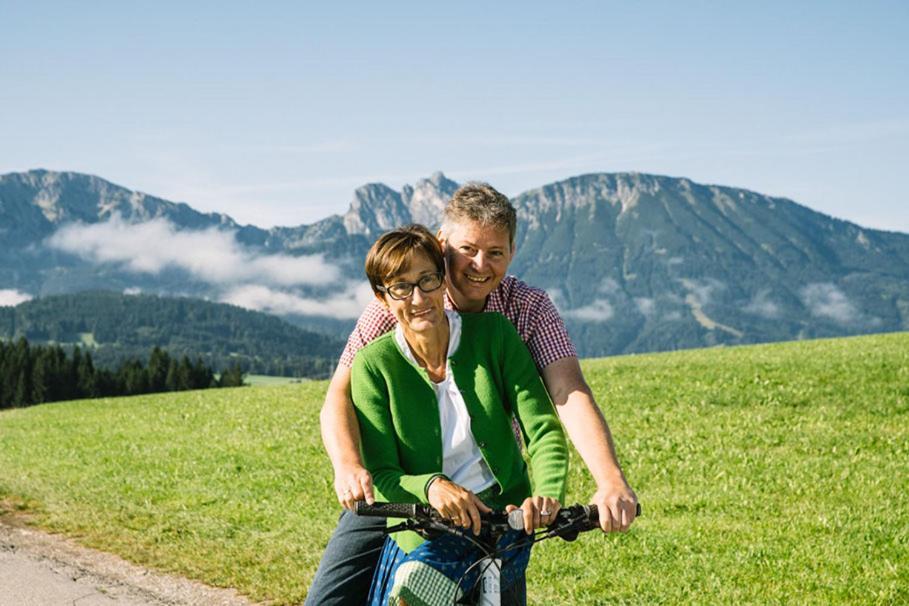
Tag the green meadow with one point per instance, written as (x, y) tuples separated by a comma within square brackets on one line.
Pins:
[(769, 474)]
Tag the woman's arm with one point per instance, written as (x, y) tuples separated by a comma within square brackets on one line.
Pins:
[(370, 395), (536, 416)]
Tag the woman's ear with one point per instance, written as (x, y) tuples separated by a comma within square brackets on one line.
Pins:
[(381, 299)]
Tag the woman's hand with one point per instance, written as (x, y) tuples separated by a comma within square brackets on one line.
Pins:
[(456, 503), (538, 512)]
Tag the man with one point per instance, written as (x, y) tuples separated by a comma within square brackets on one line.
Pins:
[(477, 236)]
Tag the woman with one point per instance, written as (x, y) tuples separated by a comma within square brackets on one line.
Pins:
[(434, 399)]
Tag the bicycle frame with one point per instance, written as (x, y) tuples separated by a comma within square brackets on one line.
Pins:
[(423, 519)]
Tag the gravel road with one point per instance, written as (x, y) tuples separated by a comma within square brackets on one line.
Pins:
[(41, 569)]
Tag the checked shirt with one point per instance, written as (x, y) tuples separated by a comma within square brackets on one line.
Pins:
[(529, 309)]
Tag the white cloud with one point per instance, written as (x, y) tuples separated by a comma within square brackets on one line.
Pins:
[(11, 298), (211, 255), (702, 290), (762, 305), (825, 300), (646, 305), (599, 310), (347, 304)]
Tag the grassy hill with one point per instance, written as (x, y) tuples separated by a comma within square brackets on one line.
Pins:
[(768, 474)]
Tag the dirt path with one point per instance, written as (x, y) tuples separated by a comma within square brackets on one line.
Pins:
[(41, 569)]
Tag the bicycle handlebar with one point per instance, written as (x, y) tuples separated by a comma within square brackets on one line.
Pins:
[(569, 521), (395, 510)]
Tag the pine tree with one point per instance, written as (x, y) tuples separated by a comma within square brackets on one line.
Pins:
[(158, 363), (22, 395), (86, 383), (232, 377), (41, 377)]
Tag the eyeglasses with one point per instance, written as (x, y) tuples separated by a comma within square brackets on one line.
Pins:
[(401, 290)]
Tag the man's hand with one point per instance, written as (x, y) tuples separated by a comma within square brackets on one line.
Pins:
[(341, 436), (353, 483), (616, 505)]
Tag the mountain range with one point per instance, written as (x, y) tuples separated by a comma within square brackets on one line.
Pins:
[(635, 262)]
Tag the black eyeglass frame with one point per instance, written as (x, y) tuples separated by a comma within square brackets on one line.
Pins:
[(439, 275)]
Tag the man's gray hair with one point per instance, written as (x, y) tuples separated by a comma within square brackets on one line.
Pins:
[(483, 204)]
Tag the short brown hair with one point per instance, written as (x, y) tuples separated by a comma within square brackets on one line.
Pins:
[(393, 252), (483, 204)]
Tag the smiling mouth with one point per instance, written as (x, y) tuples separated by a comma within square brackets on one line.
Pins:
[(476, 279), (422, 312)]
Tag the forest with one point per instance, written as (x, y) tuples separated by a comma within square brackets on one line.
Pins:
[(117, 328), (32, 374)]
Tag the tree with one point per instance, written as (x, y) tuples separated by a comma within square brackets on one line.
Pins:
[(86, 382), (232, 377), (40, 378), (158, 363)]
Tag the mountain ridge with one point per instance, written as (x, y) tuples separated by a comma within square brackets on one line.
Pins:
[(635, 261)]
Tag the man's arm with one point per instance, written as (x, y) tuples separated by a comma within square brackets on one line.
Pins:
[(590, 434), (341, 437)]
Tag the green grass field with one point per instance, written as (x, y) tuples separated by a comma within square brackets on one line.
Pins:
[(768, 474)]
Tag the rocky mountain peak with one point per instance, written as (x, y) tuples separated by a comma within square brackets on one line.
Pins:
[(377, 208)]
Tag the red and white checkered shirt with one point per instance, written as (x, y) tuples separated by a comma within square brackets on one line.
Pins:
[(529, 309)]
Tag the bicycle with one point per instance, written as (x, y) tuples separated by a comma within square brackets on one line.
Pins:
[(568, 524)]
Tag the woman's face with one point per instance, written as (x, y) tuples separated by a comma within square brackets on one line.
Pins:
[(421, 311)]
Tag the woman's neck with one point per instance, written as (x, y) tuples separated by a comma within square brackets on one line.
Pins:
[(430, 348)]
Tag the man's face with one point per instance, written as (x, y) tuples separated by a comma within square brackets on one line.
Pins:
[(476, 258)]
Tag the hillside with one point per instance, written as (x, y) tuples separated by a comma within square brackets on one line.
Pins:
[(768, 474), (641, 262), (635, 262), (114, 327)]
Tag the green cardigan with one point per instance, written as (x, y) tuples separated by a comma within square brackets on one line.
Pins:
[(400, 430)]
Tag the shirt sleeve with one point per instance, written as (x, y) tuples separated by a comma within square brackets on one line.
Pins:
[(546, 338), (543, 434), (374, 322)]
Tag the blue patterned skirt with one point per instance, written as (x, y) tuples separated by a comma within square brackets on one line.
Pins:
[(440, 571)]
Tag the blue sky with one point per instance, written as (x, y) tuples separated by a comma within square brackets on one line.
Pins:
[(275, 113)]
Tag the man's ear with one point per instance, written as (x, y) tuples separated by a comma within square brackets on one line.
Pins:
[(441, 238)]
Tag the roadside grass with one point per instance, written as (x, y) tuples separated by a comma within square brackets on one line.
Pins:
[(768, 474)]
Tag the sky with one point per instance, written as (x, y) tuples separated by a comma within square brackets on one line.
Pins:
[(275, 112)]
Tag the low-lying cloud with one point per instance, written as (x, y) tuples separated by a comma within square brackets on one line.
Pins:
[(702, 290), (598, 310), (762, 305), (825, 300), (10, 297), (236, 274), (211, 255), (645, 305), (347, 304)]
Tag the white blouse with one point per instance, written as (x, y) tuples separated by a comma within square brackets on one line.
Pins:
[(462, 462)]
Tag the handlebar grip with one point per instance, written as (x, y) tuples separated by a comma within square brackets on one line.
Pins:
[(391, 510)]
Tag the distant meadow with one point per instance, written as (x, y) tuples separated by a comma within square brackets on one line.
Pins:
[(767, 474)]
